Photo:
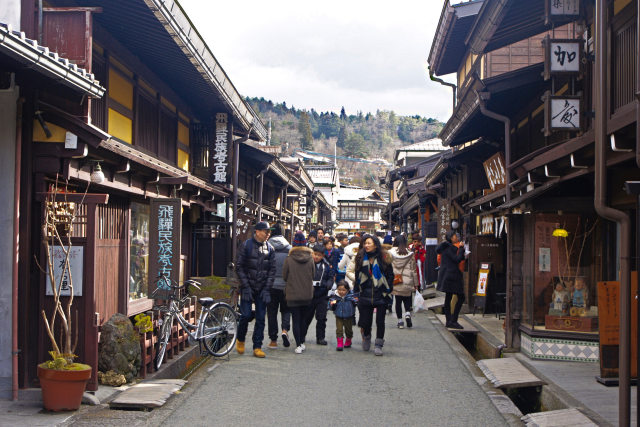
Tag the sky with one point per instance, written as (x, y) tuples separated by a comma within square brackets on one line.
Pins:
[(363, 55)]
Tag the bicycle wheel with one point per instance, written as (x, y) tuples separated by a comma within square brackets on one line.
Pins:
[(221, 320), (163, 339)]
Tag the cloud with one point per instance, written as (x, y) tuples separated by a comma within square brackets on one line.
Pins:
[(361, 55)]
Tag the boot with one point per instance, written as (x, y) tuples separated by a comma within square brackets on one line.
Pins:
[(378, 348), (447, 313), (347, 343), (240, 347), (340, 344), (366, 343)]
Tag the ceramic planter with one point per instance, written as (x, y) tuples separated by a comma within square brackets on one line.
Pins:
[(62, 390)]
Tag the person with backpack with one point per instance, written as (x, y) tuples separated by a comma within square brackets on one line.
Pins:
[(405, 279), (281, 247), (297, 271), (256, 269)]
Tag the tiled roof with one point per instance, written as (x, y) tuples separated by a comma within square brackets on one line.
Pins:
[(16, 45)]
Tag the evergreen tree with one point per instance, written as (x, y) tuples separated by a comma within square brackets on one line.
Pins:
[(342, 136), (343, 114), (355, 146), (306, 139)]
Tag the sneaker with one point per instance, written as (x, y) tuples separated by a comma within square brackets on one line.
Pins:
[(400, 324), (273, 344), (257, 352), (303, 347), (299, 349), (321, 342), (407, 318), (240, 347), (285, 339)]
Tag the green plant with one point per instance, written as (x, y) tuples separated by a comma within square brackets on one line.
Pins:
[(143, 323)]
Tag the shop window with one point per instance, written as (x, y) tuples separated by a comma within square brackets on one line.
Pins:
[(563, 296), (139, 251)]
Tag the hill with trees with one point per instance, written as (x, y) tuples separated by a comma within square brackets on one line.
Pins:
[(355, 135)]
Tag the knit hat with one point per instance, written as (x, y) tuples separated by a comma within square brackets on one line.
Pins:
[(388, 240), (299, 240)]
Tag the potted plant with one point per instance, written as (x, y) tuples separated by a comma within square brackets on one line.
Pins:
[(62, 380)]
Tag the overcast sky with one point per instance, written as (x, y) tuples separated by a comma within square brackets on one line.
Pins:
[(362, 55)]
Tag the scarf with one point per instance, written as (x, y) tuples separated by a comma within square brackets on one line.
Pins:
[(375, 273)]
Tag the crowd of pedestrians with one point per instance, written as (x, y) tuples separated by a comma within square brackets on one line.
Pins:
[(352, 276)]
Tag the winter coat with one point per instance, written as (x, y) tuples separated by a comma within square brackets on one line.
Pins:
[(449, 275), (256, 266), (406, 266), (342, 270), (323, 274), (348, 263), (297, 271), (281, 247), (370, 294), (344, 308)]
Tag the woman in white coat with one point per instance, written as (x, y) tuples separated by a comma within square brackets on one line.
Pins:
[(348, 260), (405, 279)]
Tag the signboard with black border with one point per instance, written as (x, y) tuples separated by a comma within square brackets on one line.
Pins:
[(562, 56), (562, 113)]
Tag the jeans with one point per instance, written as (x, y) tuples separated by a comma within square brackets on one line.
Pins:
[(299, 317), (407, 305), (245, 315), (366, 319), (277, 300), (319, 308)]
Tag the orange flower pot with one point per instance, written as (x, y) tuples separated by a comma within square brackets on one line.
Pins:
[(62, 390)]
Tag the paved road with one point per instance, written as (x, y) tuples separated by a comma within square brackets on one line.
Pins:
[(418, 381)]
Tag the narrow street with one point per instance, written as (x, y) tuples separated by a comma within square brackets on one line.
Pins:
[(418, 381)]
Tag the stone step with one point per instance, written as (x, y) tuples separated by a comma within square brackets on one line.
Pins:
[(562, 417), (147, 395), (508, 373), (468, 327)]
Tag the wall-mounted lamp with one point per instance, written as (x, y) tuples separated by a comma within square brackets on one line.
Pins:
[(97, 176)]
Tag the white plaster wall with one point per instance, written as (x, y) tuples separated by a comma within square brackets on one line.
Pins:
[(10, 13), (7, 176)]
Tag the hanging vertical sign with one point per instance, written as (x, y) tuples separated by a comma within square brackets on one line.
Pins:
[(220, 154), (561, 56), (76, 262), (561, 10), (562, 113), (444, 218), (165, 226), (302, 205)]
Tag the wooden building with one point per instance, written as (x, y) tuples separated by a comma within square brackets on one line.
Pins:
[(551, 88), (166, 128)]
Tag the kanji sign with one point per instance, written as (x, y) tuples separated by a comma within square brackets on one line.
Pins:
[(562, 113), (76, 262), (221, 150), (302, 205), (564, 7), (444, 218), (562, 56), (165, 225), (495, 171)]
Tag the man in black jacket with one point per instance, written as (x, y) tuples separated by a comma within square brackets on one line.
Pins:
[(322, 284), (256, 269)]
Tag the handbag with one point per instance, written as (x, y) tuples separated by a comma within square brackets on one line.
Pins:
[(397, 279)]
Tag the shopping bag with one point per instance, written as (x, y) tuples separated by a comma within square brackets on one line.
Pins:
[(418, 302)]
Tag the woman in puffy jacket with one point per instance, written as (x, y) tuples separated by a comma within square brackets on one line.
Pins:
[(373, 285), (347, 262), (405, 279)]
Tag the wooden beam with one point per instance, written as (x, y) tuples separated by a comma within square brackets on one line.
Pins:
[(89, 198)]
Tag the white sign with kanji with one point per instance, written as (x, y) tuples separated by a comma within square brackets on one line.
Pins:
[(564, 7), (76, 261), (564, 56), (565, 113)]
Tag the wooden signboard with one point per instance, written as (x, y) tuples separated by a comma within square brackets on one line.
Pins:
[(495, 171), (165, 228), (609, 321)]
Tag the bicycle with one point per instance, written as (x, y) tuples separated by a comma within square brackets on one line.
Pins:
[(216, 327)]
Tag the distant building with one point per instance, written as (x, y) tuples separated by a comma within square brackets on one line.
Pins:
[(417, 152), (359, 209)]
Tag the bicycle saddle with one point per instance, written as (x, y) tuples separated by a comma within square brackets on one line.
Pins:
[(206, 301)]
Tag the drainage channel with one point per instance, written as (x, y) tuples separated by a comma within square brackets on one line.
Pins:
[(539, 400)]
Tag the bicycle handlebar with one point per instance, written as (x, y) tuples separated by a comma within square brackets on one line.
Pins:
[(175, 286)]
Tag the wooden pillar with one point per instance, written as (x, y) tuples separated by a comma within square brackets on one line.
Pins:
[(90, 327)]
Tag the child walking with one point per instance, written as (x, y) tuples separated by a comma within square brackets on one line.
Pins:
[(343, 304)]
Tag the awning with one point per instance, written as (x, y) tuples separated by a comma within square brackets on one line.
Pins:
[(16, 46)]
